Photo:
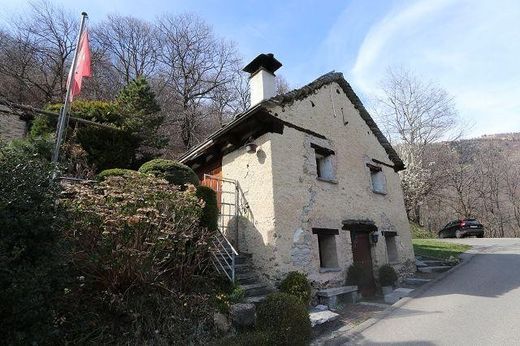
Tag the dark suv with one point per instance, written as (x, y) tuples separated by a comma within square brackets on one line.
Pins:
[(462, 228)]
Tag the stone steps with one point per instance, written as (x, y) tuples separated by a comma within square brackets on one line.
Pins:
[(246, 278), (433, 263), (397, 294), (255, 291), (255, 299), (433, 269), (416, 281)]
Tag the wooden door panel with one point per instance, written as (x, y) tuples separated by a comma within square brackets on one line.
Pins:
[(362, 257)]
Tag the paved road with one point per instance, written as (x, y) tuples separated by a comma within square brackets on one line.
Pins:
[(478, 304)]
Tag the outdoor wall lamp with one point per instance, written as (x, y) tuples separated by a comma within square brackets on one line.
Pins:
[(375, 237), (251, 146)]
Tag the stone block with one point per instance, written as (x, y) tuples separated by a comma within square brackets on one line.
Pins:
[(243, 315), (387, 289), (331, 296), (221, 322), (322, 316), (391, 298), (397, 294)]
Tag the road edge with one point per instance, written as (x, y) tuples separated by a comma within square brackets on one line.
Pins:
[(466, 257)]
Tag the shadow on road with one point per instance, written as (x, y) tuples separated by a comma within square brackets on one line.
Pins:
[(365, 341), (486, 275)]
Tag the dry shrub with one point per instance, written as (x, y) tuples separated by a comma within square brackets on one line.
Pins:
[(136, 250)]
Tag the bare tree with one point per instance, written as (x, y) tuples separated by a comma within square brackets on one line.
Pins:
[(130, 44), (415, 114), (41, 46), (282, 85), (196, 65)]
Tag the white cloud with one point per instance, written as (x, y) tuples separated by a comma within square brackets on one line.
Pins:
[(469, 47), (384, 32)]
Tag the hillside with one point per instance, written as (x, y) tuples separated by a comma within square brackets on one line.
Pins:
[(477, 177), (507, 143)]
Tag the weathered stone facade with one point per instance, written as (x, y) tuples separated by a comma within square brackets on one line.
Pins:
[(11, 126), (287, 200)]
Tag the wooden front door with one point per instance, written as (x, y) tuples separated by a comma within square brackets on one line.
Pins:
[(363, 258), (214, 181)]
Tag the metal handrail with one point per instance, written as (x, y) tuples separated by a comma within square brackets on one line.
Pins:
[(227, 255), (229, 244), (224, 252)]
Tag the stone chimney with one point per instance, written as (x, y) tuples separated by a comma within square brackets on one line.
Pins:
[(262, 82)]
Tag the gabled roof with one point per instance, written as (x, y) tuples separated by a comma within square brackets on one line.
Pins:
[(299, 94), (288, 99)]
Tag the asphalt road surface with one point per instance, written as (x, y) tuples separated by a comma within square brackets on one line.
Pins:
[(477, 304)]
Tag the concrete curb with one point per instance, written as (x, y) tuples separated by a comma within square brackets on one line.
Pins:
[(353, 334)]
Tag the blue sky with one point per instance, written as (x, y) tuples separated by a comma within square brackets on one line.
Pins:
[(469, 47)]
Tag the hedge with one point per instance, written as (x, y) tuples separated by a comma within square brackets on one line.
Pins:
[(209, 218), (115, 172), (175, 172), (285, 319)]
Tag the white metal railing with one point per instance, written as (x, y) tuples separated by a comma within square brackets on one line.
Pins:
[(224, 253), (224, 256)]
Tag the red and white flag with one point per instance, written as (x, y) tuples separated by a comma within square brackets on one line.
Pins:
[(82, 66)]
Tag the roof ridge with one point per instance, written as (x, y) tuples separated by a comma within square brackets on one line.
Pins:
[(333, 76), (308, 89)]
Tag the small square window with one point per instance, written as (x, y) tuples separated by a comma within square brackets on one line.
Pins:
[(391, 248), (327, 247), (377, 179), (324, 163)]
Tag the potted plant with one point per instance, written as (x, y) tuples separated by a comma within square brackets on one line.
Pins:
[(387, 278)]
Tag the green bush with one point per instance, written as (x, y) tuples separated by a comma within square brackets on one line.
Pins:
[(40, 147), (285, 319), (250, 338), (176, 173), (237, 295), (133, 137), (115, 172), (387, 275), (358, 275), (227, 296), (209, 218), (296, 284), (31, 267)]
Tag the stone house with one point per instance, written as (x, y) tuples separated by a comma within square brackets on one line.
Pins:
[(316, 182)]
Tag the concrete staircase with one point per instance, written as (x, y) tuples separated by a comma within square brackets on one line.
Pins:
[(255, 290)]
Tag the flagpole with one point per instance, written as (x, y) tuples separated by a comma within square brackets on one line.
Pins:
[(62, 120)]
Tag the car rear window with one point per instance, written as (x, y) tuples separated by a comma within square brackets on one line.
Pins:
[(472, 222)]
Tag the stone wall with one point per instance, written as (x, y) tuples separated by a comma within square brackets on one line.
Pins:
[(256, 231), (11, 127), (303, 202), (288, 201)]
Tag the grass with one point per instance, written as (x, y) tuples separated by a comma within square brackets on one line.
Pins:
[(437, 249), (419, 232)]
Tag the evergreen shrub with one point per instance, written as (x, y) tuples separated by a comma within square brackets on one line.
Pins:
[(176, 173), (296, 284), (285, 319)]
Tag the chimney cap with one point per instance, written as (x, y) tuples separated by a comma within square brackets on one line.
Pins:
[(266, 61)]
